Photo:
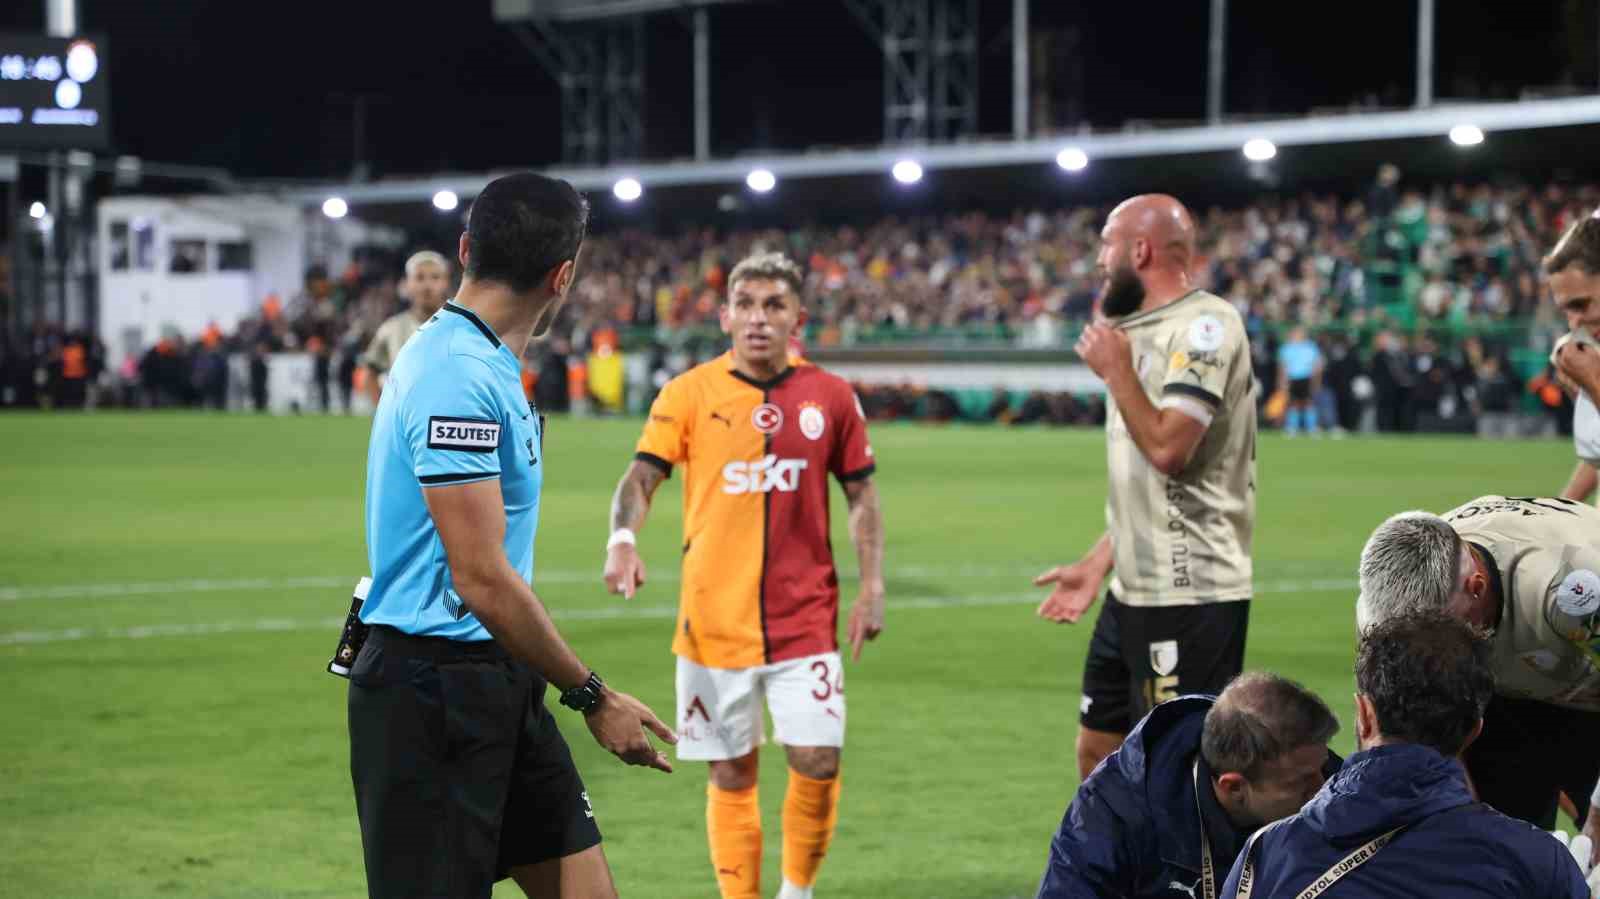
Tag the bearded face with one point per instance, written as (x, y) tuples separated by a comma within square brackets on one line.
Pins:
[(1124, 293)]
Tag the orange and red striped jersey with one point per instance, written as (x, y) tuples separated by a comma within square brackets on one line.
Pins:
[(759, 585)]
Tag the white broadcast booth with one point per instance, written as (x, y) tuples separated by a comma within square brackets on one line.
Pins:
[(176, 264)]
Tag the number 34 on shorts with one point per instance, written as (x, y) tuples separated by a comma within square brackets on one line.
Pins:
[(719, 709)]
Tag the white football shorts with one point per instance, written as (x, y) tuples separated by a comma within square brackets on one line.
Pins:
[(719, 709)]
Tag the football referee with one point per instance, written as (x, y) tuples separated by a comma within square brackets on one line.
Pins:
[(461, 777)]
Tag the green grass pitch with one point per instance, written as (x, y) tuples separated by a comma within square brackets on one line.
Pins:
[(171, 587)]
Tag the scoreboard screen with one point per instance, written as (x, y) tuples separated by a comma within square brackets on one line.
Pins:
[(53, 93)]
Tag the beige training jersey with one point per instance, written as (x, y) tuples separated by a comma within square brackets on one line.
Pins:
[(1545, 557), (1185, 540), (386, 343)]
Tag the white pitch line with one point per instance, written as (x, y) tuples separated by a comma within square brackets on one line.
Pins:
[(103, 591), (609, 613), (20, 593)]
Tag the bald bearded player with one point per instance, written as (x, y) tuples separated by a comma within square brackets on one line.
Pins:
[(1180, 509)]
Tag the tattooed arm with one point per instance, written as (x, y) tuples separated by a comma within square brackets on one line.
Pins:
[(624, 571), (866, 531)]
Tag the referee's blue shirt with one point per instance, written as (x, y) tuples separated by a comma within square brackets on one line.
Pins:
[(451, 412), (1299, 359)]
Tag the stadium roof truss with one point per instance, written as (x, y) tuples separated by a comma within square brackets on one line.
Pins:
[(599, 65), (930, 65)]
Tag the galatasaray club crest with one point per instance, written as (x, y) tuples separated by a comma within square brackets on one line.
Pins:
[(812, 422)]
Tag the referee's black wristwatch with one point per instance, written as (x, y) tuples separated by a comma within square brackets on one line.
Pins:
[(586, 696)]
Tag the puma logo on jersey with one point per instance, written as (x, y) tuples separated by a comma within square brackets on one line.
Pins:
[(762, 476), (726, 421), (1175, 885)]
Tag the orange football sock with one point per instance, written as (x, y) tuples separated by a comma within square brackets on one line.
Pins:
[(810, 812), (733, 827)]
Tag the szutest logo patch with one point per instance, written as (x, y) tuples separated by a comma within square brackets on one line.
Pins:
[(473, 435)]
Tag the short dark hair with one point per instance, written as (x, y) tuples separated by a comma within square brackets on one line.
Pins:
[(521, 226), (1428, 678), (1260, 717), (1579, 246)]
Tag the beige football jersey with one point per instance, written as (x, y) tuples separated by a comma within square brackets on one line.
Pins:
[(1546, 555), (390, 337), (1185, 539), (1585, 415)]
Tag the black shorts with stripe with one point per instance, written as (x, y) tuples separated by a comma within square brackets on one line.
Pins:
[(1140, 656), (460, 773)]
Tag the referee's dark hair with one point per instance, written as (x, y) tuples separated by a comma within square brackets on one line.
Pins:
[(1259, 717), (521, 227), (1428, 678)]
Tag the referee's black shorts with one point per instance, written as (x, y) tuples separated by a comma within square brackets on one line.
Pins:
[(460, 773), (1141, 656), (1528, 752)]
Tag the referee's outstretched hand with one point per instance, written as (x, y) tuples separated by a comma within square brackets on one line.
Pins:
[(619, 726)]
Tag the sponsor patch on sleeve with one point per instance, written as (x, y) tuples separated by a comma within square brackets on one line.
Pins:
[(1579, 593), (473, 435), (1205, 334)]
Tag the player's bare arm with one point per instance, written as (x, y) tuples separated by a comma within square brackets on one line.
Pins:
[(866, 531), (377, 362), (471, 522), (1075, 586), (373, 386), (624, 571), (1166, 437), (1582, 483)]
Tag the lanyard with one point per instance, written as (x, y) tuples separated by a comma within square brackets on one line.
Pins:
[(1208, 870), (1360, 856)]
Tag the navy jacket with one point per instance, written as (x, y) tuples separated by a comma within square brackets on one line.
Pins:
[(1133, 829), (1468, 852)]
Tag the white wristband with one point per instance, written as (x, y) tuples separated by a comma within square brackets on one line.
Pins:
[(1594, 798), (619, 536)]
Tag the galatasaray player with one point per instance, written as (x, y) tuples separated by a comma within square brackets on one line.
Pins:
[(757, 433)]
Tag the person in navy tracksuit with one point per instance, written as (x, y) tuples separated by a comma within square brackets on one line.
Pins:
[(1194, 778), (1423, 682)]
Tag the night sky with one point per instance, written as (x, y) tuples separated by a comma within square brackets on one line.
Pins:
[(267, 89)]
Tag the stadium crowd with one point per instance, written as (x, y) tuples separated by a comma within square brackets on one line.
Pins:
[(1390, 281), (1457, 254)]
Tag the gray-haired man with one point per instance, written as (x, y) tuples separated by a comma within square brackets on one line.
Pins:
[(1526, 572)]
